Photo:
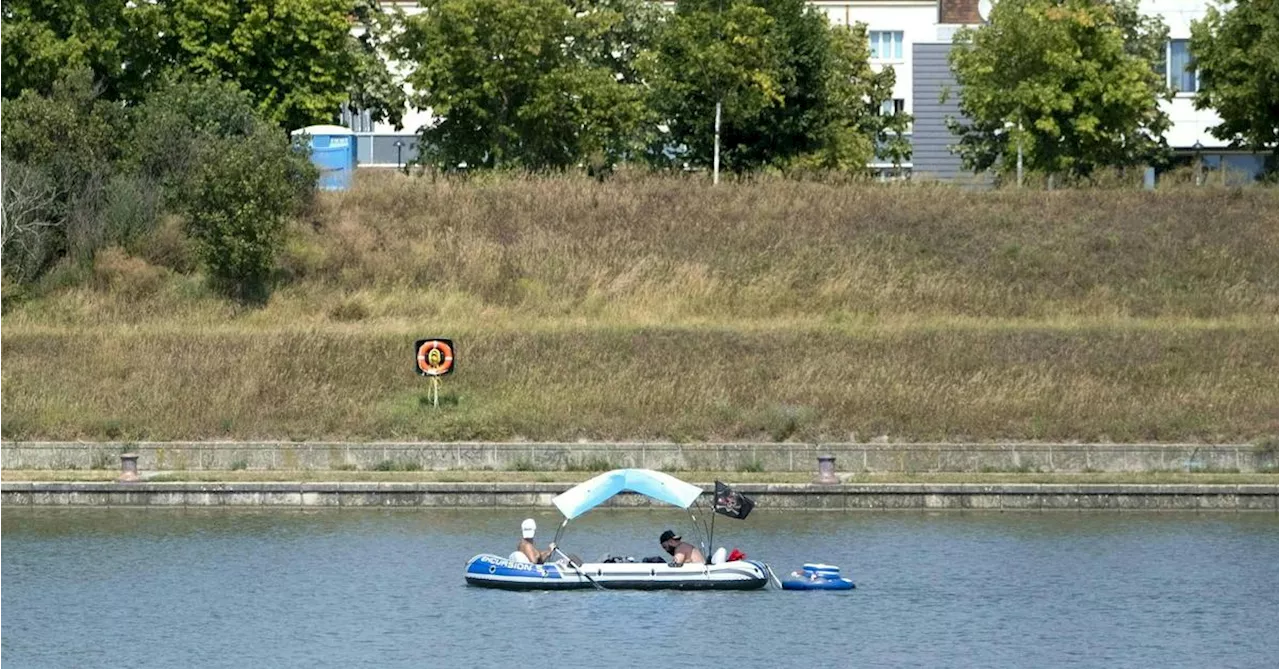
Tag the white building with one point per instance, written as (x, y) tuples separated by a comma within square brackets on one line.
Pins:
[(913, 37)]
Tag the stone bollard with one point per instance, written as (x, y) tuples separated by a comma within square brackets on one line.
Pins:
[(128, 467), (826, 470)]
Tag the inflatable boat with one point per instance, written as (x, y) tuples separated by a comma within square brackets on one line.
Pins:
[(492, 571), (513, 573), (817, 576)]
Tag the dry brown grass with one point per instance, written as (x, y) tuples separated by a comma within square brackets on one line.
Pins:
[(663, 249), (662, 308), (1162, 384)]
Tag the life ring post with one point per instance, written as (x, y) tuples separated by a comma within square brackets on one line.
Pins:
[(434, 358)]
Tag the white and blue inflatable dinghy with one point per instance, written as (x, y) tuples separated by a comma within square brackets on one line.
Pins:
[(492, 571), (817, 576), (511, 573)]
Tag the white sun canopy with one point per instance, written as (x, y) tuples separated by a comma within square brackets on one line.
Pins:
[(590, 494)]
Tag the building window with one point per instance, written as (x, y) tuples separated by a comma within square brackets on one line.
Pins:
[(894, 106), (886, 44), (1182, 68)]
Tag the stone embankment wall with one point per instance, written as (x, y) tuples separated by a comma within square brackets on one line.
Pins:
[(759, 457), (794, 496)]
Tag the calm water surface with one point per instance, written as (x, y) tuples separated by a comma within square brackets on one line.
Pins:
[(344, 588)]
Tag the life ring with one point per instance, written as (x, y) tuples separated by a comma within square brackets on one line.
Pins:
[(435, 357)]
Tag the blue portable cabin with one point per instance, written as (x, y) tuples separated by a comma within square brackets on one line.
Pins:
[(333, 152)]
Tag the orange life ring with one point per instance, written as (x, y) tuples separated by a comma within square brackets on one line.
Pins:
[(443, 360)]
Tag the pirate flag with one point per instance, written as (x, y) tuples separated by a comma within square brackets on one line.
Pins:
[(732, 503)]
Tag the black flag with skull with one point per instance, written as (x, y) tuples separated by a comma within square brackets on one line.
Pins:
[(732, 503)]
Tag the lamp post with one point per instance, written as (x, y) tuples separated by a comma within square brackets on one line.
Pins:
[(1198, 147), (715, 161), (1010, 126), (399, 146), (1019, 152)]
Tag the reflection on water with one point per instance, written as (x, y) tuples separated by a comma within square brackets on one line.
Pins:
[(236, 588)]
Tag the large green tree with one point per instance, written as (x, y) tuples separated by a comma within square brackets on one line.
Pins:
[(71, 134), (845, 127), (1072, 82), (519, 83), (294, 57), (297, 59), (713, 52), (793, 89), (45, 41), (1235, 53)]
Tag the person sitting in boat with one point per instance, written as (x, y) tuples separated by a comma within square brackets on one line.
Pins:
[(681, 552), (527, 547)]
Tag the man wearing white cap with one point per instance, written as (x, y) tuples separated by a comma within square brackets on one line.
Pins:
[(527, 548)]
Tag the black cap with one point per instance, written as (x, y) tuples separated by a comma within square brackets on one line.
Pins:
[(667, 536)]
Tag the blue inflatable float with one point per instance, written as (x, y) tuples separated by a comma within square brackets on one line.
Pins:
[(816, 576)]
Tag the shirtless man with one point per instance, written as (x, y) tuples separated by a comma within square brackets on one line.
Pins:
[(681, 552), (527, 547)]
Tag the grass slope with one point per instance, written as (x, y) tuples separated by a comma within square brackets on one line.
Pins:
[(663, 308)]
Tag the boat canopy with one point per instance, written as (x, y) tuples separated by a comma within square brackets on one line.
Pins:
[(656, 485)]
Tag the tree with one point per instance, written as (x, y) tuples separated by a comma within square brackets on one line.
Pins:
[(794, 90), (849, 127), (71, 134), (618, 34), (29, 225), (372, 87), (297, 59), (1070, 81), (714, 52), (517, 83), (47, 40), (170, 128), (1235, 53)]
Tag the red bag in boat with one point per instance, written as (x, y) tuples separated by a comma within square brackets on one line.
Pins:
[(736, 555)]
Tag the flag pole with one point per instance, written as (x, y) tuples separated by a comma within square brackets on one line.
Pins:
[(712, 539)]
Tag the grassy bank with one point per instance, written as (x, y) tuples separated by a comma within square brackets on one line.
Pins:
[(666, 309)]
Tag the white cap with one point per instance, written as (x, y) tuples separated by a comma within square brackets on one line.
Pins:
[(528, 527)]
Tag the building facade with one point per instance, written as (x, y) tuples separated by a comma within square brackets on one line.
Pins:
[(914, 37), (1188, 135)]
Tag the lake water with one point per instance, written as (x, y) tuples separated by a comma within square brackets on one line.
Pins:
[(346, 588)]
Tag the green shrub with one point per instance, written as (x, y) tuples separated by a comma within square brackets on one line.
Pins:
[(173, 124), (130, 211), (240, 198), (12, 294), (110, 210), (71, 133), (166, 245)]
